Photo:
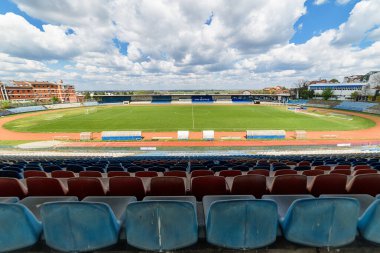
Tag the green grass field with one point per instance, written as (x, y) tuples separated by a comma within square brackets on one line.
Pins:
[(185, 117)]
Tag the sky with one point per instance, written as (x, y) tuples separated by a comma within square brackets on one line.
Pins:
[(187, 44)]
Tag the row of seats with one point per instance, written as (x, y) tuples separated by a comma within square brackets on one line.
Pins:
[(256, 185), (170, 223), (318, 170)]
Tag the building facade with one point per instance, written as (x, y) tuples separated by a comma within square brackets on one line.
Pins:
[(342, 90), (37, 91)]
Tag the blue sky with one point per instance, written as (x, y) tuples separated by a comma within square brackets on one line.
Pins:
[(216, 44), (320, 18)]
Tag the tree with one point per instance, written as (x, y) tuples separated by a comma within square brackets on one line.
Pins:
[(55, 100), (87, 96), (355, 95), (327, 93), (5, 104), (333, 81)]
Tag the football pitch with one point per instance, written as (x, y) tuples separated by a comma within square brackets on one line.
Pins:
[(168, 118)]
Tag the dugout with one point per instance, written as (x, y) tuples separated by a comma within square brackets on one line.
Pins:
[(266, 134)]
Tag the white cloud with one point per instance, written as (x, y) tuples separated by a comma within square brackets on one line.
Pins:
[(169, 45), (320, 2), (342, 2)]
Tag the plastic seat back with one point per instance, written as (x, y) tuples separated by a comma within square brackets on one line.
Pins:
[(259, 172), (208, 185), (235, 223), (321, 222), (44, 186), (151, 225), (201, 173), (369, 222), (285, 172), (289, 184), (62, 174), (328, 184), (362, 167), (126, 186), (341, 171), (322, 167), (10, 173), (167, 186), (175, 173), (12, 187), (312, 172), (34, 173), (146, 174), (342, 167), (89, 173), (19, 227), (364, 184), (118, 174), (364, 171), (229, 173), (249, 185), (74, 168), (85, 186), (79, 226)]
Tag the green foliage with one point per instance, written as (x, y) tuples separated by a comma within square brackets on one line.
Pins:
[(327, 94), (87, 96), (355, 95), (55, 100), (333, 81), (4, 104)]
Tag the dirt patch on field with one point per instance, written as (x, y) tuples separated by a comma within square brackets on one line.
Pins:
[(313, 137)]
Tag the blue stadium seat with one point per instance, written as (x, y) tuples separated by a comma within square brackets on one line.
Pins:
[(11, 173), (323, 222), (79, 226), (240, 222), (162, 225), (19, 227), (369, 223)]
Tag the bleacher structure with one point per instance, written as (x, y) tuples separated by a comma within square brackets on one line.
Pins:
[(76, 204)]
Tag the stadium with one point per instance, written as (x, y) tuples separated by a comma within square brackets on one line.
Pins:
[(186, 126)]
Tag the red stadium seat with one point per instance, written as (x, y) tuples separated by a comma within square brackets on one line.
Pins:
[(200, 173), (208, 185), (364, 184), (328, 184), (146, 174), (85, 186), (167, 186), (285, 172), (62, 174), (312, 172), (322, 167), (342, 167), (259, 172), (249, 185), (126, 186), (175, 173), (229, 173), (341, 171), (362, 167), (304, 163), (12, 187), (289, 184), (90, 173), (364, 171), (118, 174), (34, 173), (42, 186)]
